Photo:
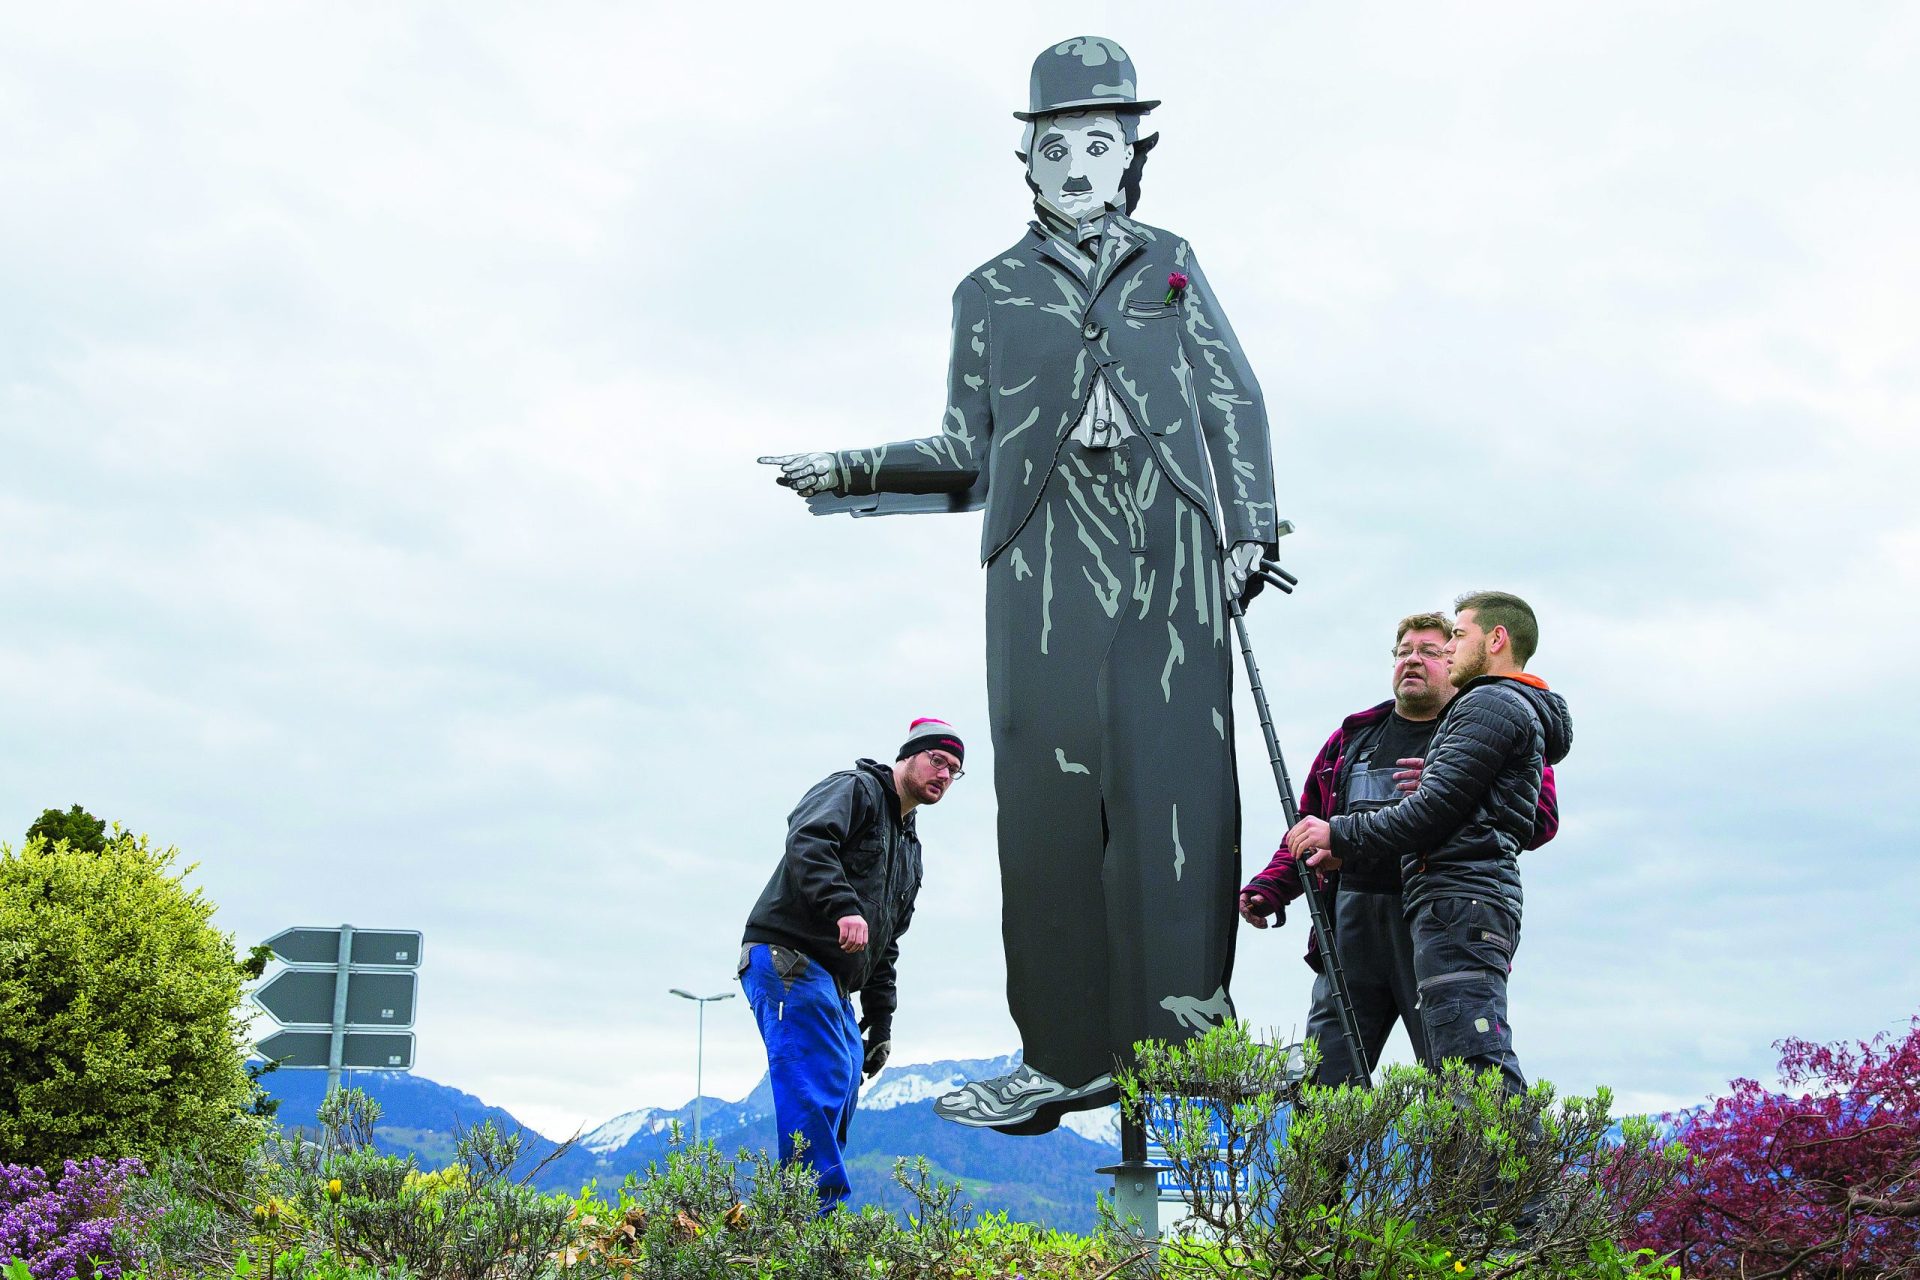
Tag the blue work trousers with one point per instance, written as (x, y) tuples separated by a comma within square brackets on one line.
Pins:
[(813, 1060)]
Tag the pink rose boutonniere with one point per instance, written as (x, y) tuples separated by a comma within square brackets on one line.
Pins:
[(1176, 286)]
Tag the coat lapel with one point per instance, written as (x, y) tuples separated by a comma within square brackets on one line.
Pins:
[(1075, 265), (1117, 248)]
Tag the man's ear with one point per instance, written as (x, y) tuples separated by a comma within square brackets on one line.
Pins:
[(1498, 640)]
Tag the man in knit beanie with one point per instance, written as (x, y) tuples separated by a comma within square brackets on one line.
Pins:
[(827, 927)]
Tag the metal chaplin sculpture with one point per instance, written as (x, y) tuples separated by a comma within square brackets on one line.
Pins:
[(1101, 411)]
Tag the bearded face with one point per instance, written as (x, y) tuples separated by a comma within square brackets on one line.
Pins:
[(1467, 653)]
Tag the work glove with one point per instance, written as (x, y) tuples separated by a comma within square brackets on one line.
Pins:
[(1256, 908), (877, 1045)]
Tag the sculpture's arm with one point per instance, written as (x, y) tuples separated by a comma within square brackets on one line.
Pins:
[(1233, 416), (951, 462)]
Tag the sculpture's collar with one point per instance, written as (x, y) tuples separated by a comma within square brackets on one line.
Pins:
[(1076, 232)]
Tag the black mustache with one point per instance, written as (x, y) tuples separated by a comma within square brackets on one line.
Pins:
[(1076, 186)]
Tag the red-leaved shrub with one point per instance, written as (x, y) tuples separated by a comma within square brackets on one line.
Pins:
[(1821, 1180)]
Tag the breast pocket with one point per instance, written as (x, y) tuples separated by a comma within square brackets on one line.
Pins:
[(866, 864), (1141, 312)]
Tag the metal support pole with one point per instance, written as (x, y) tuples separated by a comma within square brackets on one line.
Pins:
[(1136, 1183), (1316, 909), (336, 1047)]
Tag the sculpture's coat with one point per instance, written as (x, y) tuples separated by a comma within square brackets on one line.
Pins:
[(1108, 664)]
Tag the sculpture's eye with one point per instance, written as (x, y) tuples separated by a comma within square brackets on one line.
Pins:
[(1097, 149), (1056, 152)]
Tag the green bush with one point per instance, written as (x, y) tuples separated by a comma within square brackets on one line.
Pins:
[(83, 832), (703, 1217), (330, 1207), (1422, 1175), (474, 1220), (118, 1026)]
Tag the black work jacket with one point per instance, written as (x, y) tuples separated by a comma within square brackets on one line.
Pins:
[(1460, 834), (849, 853)]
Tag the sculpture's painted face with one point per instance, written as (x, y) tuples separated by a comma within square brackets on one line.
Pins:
[(1078, 160)]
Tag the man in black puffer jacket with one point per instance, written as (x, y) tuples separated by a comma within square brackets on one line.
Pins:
[(1459, 836)]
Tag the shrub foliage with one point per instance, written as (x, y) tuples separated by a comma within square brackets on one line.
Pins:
[(1821, 1180), (119, 1034), (1422, 1175), (75, 1227), (334, 1208)]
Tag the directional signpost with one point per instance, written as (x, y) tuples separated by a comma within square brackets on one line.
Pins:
[(345, 997), (362, 1050), (304, 998), (388, 948)]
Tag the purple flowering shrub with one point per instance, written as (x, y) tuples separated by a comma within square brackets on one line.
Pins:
[(59, 1230)]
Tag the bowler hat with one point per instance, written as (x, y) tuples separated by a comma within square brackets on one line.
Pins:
[(1086, 73)]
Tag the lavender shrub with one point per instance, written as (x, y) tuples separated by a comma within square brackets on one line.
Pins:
[(75, 1230)]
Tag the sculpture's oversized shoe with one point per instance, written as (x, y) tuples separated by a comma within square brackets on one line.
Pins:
[(1024, 1101)]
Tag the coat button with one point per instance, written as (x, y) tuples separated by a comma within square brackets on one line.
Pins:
[(1090, 331)]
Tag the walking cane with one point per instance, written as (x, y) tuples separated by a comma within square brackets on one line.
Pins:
[(1316, 909)]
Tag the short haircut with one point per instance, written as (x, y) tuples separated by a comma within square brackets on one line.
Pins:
[(1503, 609), (1422, 622)]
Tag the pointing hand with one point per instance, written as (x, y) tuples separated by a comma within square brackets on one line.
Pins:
[(806, 473)]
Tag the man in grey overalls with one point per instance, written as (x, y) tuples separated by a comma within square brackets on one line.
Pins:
[(1101, 411)]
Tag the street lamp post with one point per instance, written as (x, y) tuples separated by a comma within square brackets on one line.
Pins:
[(700, 1047)]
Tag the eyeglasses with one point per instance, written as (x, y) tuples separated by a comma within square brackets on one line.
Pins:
[(1430, 652), (945, 764)]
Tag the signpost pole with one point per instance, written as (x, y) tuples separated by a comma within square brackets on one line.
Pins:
[(339, 1042)]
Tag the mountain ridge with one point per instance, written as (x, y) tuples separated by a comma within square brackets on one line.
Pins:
[(1048, 1180)]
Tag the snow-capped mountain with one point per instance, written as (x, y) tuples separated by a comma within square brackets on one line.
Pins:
[(900, 1086), (1042, 1179), (893, 1087)]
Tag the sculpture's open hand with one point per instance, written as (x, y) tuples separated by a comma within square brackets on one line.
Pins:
[(1241, 562), (806, 473)]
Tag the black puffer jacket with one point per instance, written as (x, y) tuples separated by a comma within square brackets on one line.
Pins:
[(1460, 835), (849, 853)]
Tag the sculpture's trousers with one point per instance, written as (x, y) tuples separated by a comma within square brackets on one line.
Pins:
[(1109, 686)]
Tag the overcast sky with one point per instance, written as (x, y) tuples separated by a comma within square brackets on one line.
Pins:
[(380, 388)]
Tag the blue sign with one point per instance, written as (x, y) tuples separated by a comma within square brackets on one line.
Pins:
[(1164, 1114)]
